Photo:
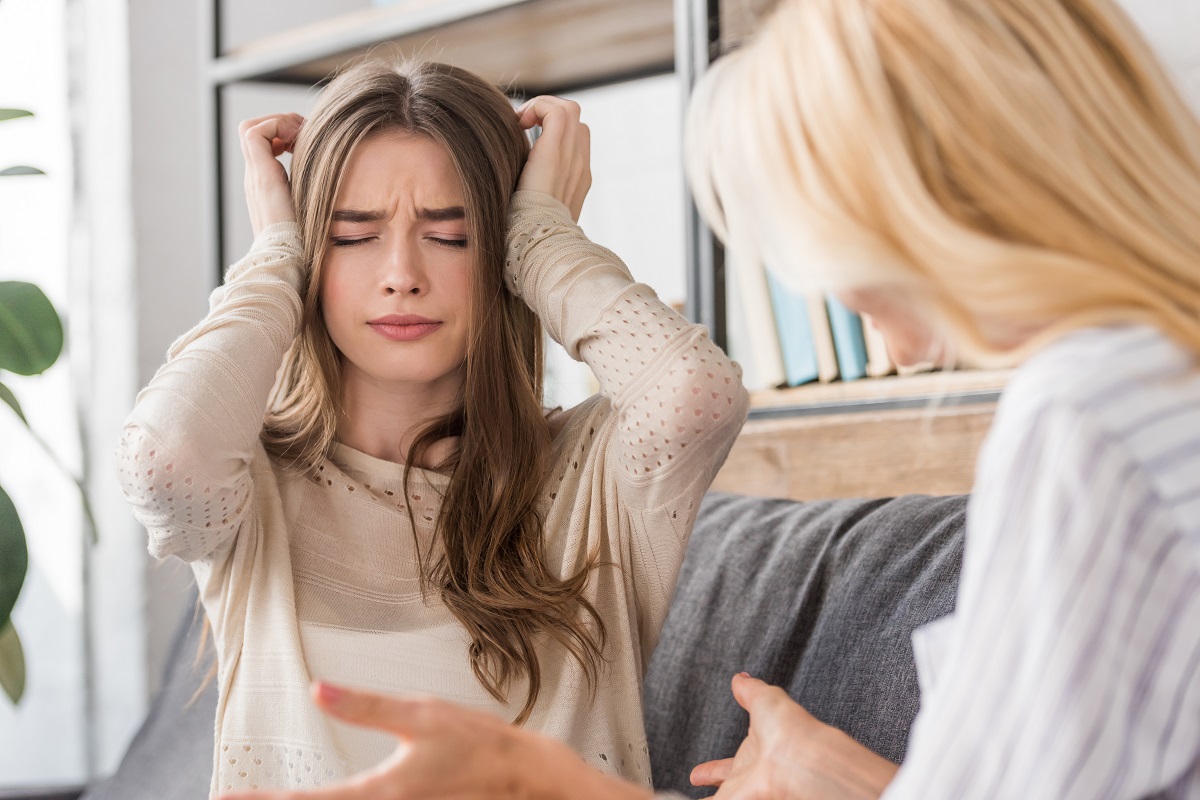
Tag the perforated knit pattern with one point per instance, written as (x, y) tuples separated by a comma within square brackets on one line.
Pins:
[(316, 576), (191, 502), (685, 391), (262, 765), (671, 384), (209, 511)]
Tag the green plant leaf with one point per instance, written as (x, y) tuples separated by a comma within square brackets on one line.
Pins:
[(12, 663), (13, 113), (11, 171), (8, 397), (14, 556), (31, 334)]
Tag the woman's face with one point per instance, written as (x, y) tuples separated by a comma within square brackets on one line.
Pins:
[(397, 276), (894, 311)]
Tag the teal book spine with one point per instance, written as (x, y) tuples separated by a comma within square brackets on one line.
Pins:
[(795, 333), (848, 340)]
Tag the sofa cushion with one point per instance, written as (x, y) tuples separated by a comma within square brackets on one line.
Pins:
[(820, 598)]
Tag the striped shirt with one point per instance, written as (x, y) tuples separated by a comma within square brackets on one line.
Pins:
[(1071, 666)]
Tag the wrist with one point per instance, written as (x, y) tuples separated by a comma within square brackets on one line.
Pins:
[(560, 774)]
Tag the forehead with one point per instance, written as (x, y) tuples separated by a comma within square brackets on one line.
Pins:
[(395, 167)]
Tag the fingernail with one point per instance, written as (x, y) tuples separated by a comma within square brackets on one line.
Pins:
[(328, 693), (743, 674)]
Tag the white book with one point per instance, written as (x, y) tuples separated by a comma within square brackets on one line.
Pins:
[(822, 334), (879, 363), (753, 339)]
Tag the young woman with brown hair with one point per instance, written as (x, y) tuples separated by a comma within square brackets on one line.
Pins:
[(1011, 182), (352, 453)]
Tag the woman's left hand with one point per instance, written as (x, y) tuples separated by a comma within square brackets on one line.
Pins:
[(560, 163), (791, 755), (449, 752)]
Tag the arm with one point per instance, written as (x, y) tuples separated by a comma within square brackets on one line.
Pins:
[(678, 398), (185, 452), (448, 751), (790, 755), (1070, 663)]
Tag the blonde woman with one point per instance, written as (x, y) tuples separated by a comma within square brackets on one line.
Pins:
[(351, 450), (998, 182), (1002, 182)]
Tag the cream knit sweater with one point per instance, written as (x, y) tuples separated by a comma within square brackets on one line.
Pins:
[(314, 576)]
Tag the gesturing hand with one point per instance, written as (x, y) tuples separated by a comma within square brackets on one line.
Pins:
[(790, 755), (268, 193), (447, 752), (560, 163)]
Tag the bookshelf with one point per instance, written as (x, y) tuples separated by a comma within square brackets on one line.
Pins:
[(533, 46), (873, 436)]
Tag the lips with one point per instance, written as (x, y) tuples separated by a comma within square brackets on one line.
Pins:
[(404, 327)]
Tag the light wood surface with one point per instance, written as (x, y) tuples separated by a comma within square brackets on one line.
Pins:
[(740, 18), (931, 386), (530, 46), (869, 454)]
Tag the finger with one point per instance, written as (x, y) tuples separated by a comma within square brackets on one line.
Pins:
[(396, 715), (545, 108), (247, 124), (274, 128), (712, 773), (271, 135), (750, 691)]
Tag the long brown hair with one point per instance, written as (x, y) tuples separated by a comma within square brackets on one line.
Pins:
[(490, 569)]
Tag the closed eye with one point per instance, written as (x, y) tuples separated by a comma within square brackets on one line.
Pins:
[(455, 243), (339, 241)]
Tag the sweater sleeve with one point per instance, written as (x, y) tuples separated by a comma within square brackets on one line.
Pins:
[(184, 456), (678, 399), (1069, 669)]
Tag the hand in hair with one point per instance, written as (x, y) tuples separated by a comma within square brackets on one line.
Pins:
[(447, 751), (560, 163), (791, 755), (268, 192)]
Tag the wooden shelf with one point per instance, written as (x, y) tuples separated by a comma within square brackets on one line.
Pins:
[(531, 46), (740, 18), (929, 389), (877, 454), (876, 437)]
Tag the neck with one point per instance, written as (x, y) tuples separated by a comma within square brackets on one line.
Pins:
[(382, 419)]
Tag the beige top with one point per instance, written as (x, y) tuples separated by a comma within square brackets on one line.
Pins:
[(308, 577)]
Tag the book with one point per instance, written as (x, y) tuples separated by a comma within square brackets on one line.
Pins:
[(822, 334), (795, 333), (753, 341), (848, 341), (879, 362)]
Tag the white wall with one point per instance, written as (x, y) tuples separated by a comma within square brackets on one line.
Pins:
[(244, 21), (636, 205), (1173, 28), (34, 212)]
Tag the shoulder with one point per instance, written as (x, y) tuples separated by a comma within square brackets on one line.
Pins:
[(1102, 369), (1104, 395)]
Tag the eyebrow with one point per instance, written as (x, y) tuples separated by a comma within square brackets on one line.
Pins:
[(448, 214)]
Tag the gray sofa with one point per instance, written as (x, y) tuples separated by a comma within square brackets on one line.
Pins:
[(818, 597)]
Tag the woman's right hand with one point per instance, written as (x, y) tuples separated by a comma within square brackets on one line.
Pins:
[(448, 751), (268, 191)]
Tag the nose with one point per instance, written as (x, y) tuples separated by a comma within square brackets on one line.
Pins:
[(403, 270)]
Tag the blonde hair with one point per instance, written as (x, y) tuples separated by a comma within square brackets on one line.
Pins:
[(490, 569), (1026, 166)]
